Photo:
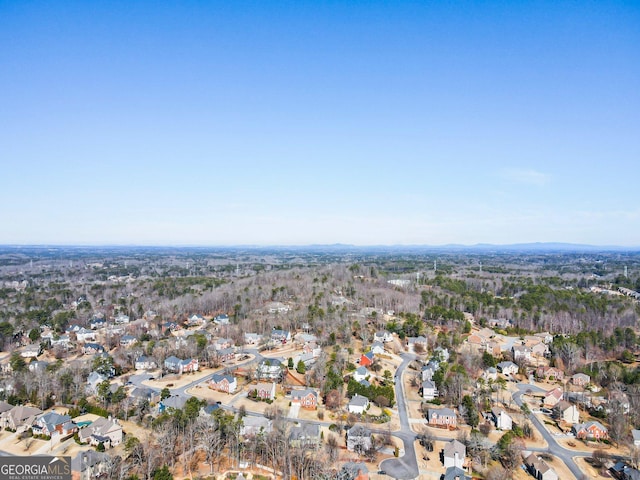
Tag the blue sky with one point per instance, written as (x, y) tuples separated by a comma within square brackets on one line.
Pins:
[(221, 123)]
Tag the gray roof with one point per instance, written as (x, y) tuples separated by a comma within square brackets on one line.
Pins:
[(443, 412), (358, 431), (428, 384), (52, 419), (503, 365), (453, 447), (217, 378), (455, 473), (174, 401), (142, 392), (87, 459), (359, 401), (5, 407), (306, 430), (303, 393)]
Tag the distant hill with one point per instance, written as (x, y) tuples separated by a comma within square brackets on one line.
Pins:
[(335, 248)]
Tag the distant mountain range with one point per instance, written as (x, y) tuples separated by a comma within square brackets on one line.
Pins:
[(537, 247), (541, 247)]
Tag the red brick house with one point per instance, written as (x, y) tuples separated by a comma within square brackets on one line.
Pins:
[(305, 398), (443, 417), (223, 383), (265, 391), (591, 430), (549, 373)]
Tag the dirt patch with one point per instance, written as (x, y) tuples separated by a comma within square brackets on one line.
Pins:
[(587, 469)]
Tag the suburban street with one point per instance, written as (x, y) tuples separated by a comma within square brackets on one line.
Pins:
[(406, 466), (554, 447)]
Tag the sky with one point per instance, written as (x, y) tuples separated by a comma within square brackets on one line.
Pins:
[(311, 122)]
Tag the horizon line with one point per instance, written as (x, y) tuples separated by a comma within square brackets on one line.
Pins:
[(551, 244)]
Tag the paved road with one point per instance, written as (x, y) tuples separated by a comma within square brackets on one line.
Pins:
[(137, 380), (405, 467), (554, 447)]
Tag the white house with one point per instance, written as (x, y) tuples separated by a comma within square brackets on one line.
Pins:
[(97, 322), (442, 353), (358, 404), (428, 370), (501, 419), (360, 374), (568, 412), (62, 340), (278, 307), (280, 336), (145, 363), (85, 335), (521, 352), (377, 348), (508, 368), (358, 439), (491, 373), (93, 381), (252, 338), (176, 365), (429, 390), (252, 426), (270, 368), (454, 454), (31, 351), (222, 319), (128, 340), (383, 336)]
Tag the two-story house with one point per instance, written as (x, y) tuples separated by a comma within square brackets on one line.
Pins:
[(358, 404), (539, 468), (590, 430), (145, 363), (223, 383), (442, 417), (453, 454), (102, 430), (359, 439), (174, 364), (306, 436), (264, 391), (501, 419), (307, 398), (53, 424), (429, 390)]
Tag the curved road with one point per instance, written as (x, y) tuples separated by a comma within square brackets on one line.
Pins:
[(554, 447), (405, 467)]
